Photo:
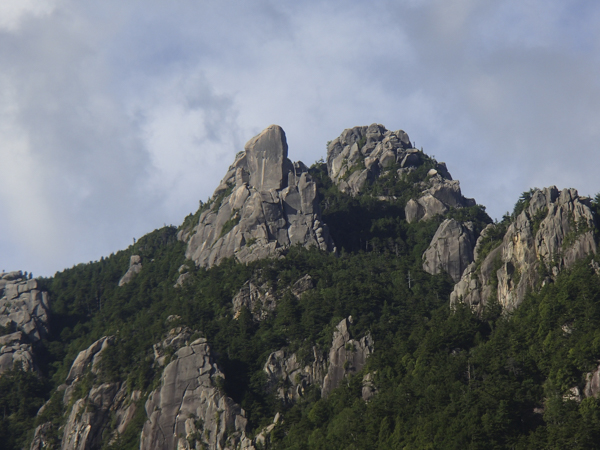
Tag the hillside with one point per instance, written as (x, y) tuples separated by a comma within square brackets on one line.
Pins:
[(362, 302)]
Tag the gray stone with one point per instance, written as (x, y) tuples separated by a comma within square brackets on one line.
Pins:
[(135, 267), (262, 214), (188, 410), (259, 300), (450, 250), (556, 230)]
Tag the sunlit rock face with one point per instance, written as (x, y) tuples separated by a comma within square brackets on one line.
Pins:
[(264, 204), (553, 231)]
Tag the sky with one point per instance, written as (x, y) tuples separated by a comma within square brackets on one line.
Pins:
[(118, 116)]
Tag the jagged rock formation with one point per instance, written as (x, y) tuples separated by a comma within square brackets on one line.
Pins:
[(554, 230), (438, 195), (261, 299), (24, 313), (135, 267), (451, 249), (289, 378), (189, 410), (106, 407), (346, 356), (359, 155), (264, 205), (90, 416)]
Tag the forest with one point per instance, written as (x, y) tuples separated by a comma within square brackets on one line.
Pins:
[(444, 377)]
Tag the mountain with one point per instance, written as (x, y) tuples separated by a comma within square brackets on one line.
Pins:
[(362, 302)]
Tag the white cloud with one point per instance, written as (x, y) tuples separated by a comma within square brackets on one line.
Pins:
[(119, 116)]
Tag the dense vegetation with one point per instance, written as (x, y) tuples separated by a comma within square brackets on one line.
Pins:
[(445, 379)]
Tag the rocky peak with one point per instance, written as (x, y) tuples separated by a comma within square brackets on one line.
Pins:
[(552, 230), (264, 204), (360, 155)]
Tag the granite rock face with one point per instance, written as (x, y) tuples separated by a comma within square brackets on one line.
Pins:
[(346, 356), (438, 196), (135, 267), (189, 410), (264, 205), (451, 249), (261, 299), (24, 312), (289, 378), (105, 408), (361, 154), (554, 230)]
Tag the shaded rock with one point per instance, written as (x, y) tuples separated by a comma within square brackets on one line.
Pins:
[(345, 356), (451, 249), (264, 205), (289, 378), (438, 196), (23, 306), (87, 360), (24, 316), (175, 339), (135, 267), (554, 230), (15, 351), (188, 410), (368, 387), (259, 300), (304, 284), (592, 384), (41, 437)]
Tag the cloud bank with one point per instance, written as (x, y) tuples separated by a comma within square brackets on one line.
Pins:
[(117, 117)]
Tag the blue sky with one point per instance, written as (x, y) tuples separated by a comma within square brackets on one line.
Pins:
[(116, 117)]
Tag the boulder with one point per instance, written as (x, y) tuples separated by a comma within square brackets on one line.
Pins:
[(451, 249)]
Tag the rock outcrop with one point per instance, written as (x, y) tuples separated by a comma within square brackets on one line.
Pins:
[(451, 249), (359, 155), (24, 315), (135, 267), (90, 416), (264, 205), (346, 356), (553, 231), (100, 415), (362, 154), (189, 410), (289, 378), (438, 196), (261, 298)]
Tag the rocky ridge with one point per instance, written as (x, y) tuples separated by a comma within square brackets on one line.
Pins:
[(553, 231), (264, 204), (360, 155)]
